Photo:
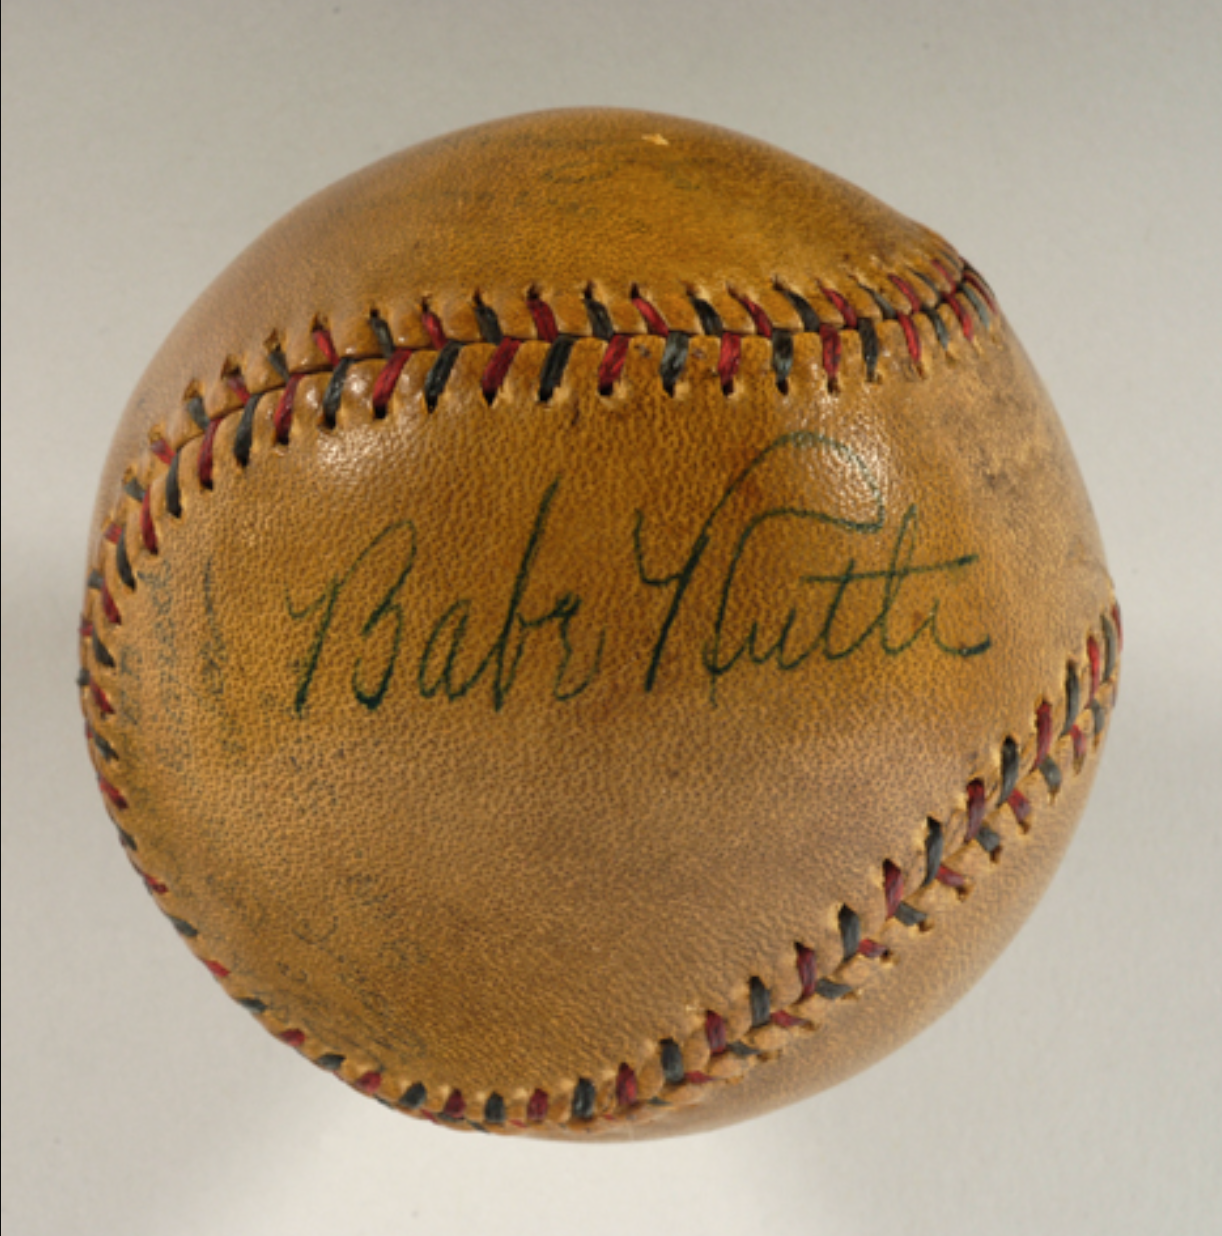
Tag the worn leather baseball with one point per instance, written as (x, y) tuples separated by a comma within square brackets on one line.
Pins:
[(594, 628)]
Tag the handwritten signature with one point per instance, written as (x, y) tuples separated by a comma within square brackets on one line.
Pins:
[(826, 624)]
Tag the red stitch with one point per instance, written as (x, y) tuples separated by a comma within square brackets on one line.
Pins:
[(148, 531), (909, 295), (976, 804), (204, 462), (294, 1038), (1020, 805), (498, 367), (893, 887), (843, 307), (911, 337), (369, 1083), (951, 281), (162, 449), (536, 1108), (653, 319), (154, 885), (727, 361), (1119, 627), (763, 324), (808, 971), (612, 363), (832, 353), (545, 319), (787, 1021), (952, 879), (114, 532), (626, 1092), (105, 707), (432, 324), (282, 418), (715, 1032), (237, 384), (1080, 744), (1043, 732), (85, 630), (109, 608), (698, 1079), (871, 950), (322, 338), (113, 793), (217, 969), (1095, 657), (965, 318), (384, 387)]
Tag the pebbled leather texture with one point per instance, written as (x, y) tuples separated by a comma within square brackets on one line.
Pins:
[(594, 628)]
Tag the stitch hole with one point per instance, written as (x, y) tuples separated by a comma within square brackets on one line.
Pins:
[(274, 351), (193, 403), (584, 1096), (850, 931), (627, 1090), (715, 1033), (123, 563), (808, 970), (321, 335), (173, 489), (231, 375), (935, 845), (554, 364), (382, 333), (489, 324), (673, 1070), (782, 358), (728, 360), (811, 322), (601, 325), (1010, 769), (493, 377), (761, 1003), (386, 381), (282, 417), (977, 804), (674, 358), (243, 439), (1073, 698), (541, 313), (612, 365), (414, 1097)]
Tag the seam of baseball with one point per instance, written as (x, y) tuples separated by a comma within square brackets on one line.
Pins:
[(727, 1046), (994, 811), (927, 309)]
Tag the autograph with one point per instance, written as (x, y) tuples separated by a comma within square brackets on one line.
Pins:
[(826, 624)]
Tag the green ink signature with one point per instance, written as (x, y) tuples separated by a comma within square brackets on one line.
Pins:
[(448, 668), (719, 660)]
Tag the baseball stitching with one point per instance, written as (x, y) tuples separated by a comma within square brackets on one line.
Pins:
[(994, 808)]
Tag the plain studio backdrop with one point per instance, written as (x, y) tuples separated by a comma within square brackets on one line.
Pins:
[(1069, 150)]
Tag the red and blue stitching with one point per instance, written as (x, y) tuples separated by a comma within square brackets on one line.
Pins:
[(720, 1055)]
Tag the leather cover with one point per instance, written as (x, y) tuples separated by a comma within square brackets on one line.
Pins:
[(594, 628)]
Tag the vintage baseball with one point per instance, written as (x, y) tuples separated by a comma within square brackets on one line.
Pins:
[(594, 628)]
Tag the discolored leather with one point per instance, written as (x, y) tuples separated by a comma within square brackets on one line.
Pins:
[(452, 727)]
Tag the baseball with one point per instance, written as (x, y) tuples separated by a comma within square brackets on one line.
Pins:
[(594, 628)]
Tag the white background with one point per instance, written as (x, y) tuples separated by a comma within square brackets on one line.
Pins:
[(1072, 152)]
